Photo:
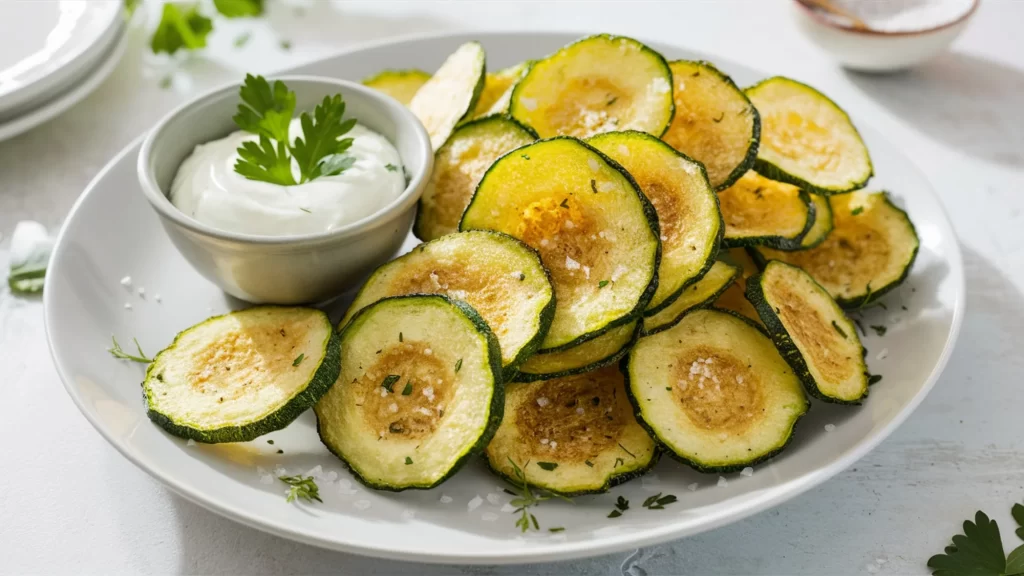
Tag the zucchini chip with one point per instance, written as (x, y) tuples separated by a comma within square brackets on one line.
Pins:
[(807, 140), (419, 392), (572, 435), (596, 232), (597, 84), (822, 222), (450, 95), (714, 123), (497, 92), (703, 292), (235, 377), (401, 85), (458, 166), (714, 391), (591, 355), (499, 276), (810, 330), (734, 298), (688, 215), (759, 211), (870, 250)]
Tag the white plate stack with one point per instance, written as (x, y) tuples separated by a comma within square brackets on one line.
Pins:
[(53, 53)]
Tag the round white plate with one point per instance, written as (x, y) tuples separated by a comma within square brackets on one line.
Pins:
[(71, 96), (112, 232), (46, 46)]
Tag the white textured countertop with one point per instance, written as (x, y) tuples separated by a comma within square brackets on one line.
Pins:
[(70, 504)]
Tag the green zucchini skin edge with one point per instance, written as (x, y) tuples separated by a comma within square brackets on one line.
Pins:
[(773, 172), (611, 37), (716, 243), (858, 302), (497, 408), (477, 91), (418, 222), (784, 343), (755, 136), (698, 466), (652, 222), (530, 377), (324, 377), (817, 220), (703, 304), (780, 242)]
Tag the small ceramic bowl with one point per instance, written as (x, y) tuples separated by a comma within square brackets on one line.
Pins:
[(875, 50), (285, 269)]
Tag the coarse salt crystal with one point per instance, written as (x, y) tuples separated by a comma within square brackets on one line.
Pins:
[(429, 392), (722, 481), (692, 487), (393, 407), (475, 503), (383, 392), (571, 264), (544, 242), (126, 281), (190, 442), (618, 272), (516, 275), (529, 103), (280, 471), (623, 149), (664, 238), (748, 471), (142, 292), (408, 514), (660, 85), (458, 294), (488, 516), (446, 499), (266, 479), (424, 411), (542, 401), (579, 410), (605, 187), (830, 427), (544, 441), (586, 272), (127, 306), (434, 279), (158, 298), (361, 504), (739, 379), (882, 355), (553, 444), (594, 166), (428, 351), (506, 508), (688, 167), (332, 476), (494, 498), (568, 225), (880, 561), (316, 472)]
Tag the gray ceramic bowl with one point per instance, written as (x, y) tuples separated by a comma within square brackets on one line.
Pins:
[(285, 269)]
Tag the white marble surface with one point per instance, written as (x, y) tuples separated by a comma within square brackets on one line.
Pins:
[(69, 504)]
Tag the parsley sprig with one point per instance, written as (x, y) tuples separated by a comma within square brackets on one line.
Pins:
[(302, 487), (181, 27), (266, 110), (979, 550), (658, 502), (527, 498), (117, 352)]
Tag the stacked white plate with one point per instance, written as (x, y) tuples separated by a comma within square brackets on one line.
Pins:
[(52, 54)]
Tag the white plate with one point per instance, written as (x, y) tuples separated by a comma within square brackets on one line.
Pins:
[(47, 46), (112, 232), (72, 95)]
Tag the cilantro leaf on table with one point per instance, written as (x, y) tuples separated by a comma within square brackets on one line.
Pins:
[(320, 137), (976, 552), (239, 8), (181, 27), (265, 110)]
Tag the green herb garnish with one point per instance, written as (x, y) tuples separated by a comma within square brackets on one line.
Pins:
[(565, 203), (401, 338), (166, 82), (181, 27), (306, 210), (526, 499), (626, 451), (239, 8), (719, 119), (979, 550), (458, 365), (267, 112), (612, 100), (302, 487), (408, 461), (117, 352), (549, 466), (299, 359), (556, 529), (389, 382), (593, 185), (408, 388), (286, 45), (874, 379), (618, 462), (602, 283), (525, 156), (621, 505), (856, 210), (588, 463), (391, 167), (522, 276), (838, 329), (242, 39), (658, 502), (880, 330)]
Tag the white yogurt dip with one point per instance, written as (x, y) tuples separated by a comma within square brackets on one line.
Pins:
[(208, 189)]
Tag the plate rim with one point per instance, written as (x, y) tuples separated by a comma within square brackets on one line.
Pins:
[(547, 551)]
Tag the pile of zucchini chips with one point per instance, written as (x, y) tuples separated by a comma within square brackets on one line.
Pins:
[(622, 256)]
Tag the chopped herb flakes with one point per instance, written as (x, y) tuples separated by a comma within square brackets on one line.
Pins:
[(400, 337), (391, 167), (588, 463), (874, 379), (658, 502), (525, 156), (621, 505), (458, 365), (719, 119), (408, 388), (593, 185), (299, 359), (389, 382), (618, 462), (565, 203), (408, 461), (880, 330), (602, 283), (613, 100), (549, 466), (838, 329), (627, 451), (856, 210), (302, 487), (556, 529), (526, 498)]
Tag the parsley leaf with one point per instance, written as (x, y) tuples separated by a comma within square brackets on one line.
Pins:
[(621, 505), (265, 162), (978, 551), (265, 110), (320, 138), (336, 164), (239, 8), (302, 487), (181, 27)]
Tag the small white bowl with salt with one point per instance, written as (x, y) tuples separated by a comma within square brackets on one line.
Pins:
[(883, 35)]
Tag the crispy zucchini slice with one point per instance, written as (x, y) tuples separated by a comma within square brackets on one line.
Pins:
[(701, 293), (591, 355), (714, 391), (807, 140), (502, 278), (597, 234), (811, 331), (759, 211), (451, 93), (715, 123), (571, 435), (497, 92), (234, 377), (597, 84), (870, 250), (419, 392), (822, 222), (734, 298), (458, 166), (401, 85), (688, 215)]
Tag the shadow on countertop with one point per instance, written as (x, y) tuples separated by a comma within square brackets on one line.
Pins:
[(968, 103)]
